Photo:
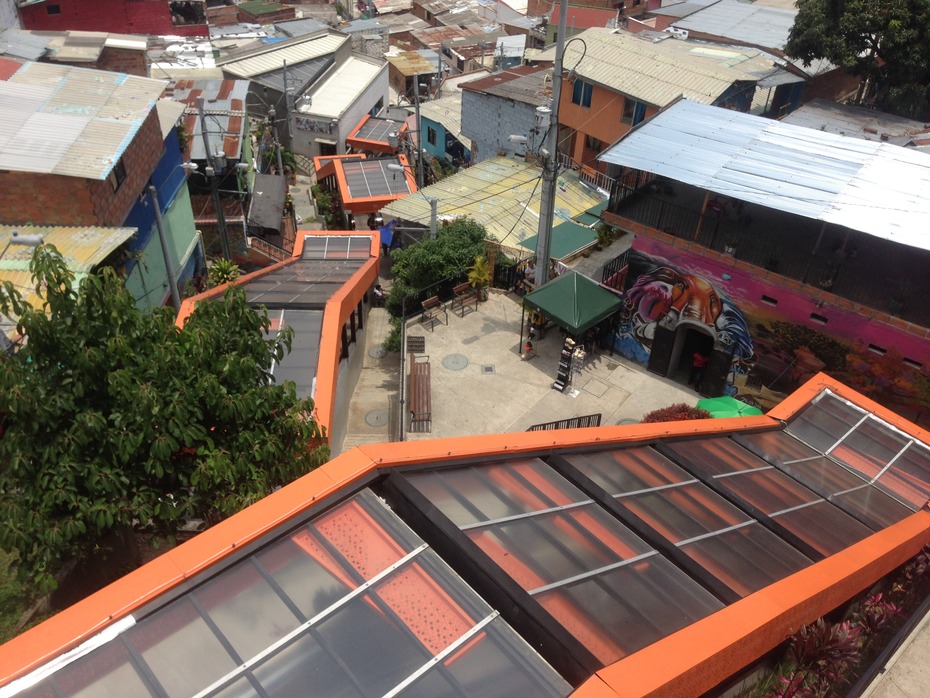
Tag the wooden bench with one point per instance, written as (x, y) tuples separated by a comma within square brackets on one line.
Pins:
[(464, 294), (421, 416), (432, 311)]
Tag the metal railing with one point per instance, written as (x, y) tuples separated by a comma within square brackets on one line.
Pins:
[(588, 420), (267, 249), (611, 275), (585, 173)]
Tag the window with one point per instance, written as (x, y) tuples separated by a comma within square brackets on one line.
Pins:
[(592, 143), (581, 93), (431, 135), (117, 175), (53, 9), (633, 111)]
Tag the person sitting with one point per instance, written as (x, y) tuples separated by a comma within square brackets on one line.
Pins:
[(377, 297)]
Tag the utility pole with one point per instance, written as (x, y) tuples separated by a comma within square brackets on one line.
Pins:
[(419, 133), (551, 158), (214, 185), (166, 252)]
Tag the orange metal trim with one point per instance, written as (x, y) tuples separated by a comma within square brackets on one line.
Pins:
[(371, 204), (323, 164), (374, 146), (787, 408), (338, 309)]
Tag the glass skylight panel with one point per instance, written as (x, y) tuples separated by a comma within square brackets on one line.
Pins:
[(601, 581), (351, 604), (825, 421), (851, 492), (725, 541), (909, 476), (750, 480)]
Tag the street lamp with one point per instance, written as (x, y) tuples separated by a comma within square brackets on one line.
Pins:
[(25, 240), (433, 202)]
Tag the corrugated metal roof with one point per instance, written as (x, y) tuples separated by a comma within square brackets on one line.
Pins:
[(501, 194), (749, 24), (856, 122), (299, 27), (874, 188), (71, 121), (657, 72), (272, 57), (23, 44), (530, 85), (169, 112), (411, 63), (343, 86), (224, 111), (448, 112), (81, 248)]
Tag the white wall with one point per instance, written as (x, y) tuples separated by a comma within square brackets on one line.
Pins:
[(9, 17)]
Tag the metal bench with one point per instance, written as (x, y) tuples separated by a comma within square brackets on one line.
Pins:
[(464, 294), (421, 417), (432, 311)]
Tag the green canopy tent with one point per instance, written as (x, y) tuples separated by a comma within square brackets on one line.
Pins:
[(726, 406), (567, 239), (573, 301)]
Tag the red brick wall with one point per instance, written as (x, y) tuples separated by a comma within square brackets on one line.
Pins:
[(834, 86), (44, 199), (118, 16), (121, 60)]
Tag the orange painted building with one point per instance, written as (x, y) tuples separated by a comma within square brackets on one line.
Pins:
[(651, 559), (614, 80)]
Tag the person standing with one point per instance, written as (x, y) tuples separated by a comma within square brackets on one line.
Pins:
[(698, 367)]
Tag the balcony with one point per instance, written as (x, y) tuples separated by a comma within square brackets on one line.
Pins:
[(867, 270)]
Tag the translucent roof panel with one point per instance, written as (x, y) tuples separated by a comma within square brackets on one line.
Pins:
[(602, 582), (804, 517), (850, 491), (300, 364), (371, 178), (375, 129), (733, 547), (304, 283), (351, 604), (867, 445), (333, 247)]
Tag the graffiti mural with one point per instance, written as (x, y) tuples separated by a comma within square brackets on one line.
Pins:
[(658, 290), (777, 337)]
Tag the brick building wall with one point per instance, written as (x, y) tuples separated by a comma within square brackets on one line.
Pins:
[(45, 199), (121, 60), (117, 16)]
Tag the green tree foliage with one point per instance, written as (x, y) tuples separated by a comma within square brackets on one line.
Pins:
[(112, 419), (882, 42), (448, 256)]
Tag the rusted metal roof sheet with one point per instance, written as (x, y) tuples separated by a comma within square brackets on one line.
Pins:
[(75, 122), (225, 112), (659, 70)]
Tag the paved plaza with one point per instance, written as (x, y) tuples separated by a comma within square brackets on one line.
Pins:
[(481, 385)]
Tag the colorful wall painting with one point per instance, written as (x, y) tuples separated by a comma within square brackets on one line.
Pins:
[(780, 337)]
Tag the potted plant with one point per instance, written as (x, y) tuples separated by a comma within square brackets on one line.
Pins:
[(479, 276)]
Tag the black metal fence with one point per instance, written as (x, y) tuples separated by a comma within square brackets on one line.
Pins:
[(588, 420), (613, 275), (505, 276)]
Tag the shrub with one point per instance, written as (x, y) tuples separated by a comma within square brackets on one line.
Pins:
[(675, 413)]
